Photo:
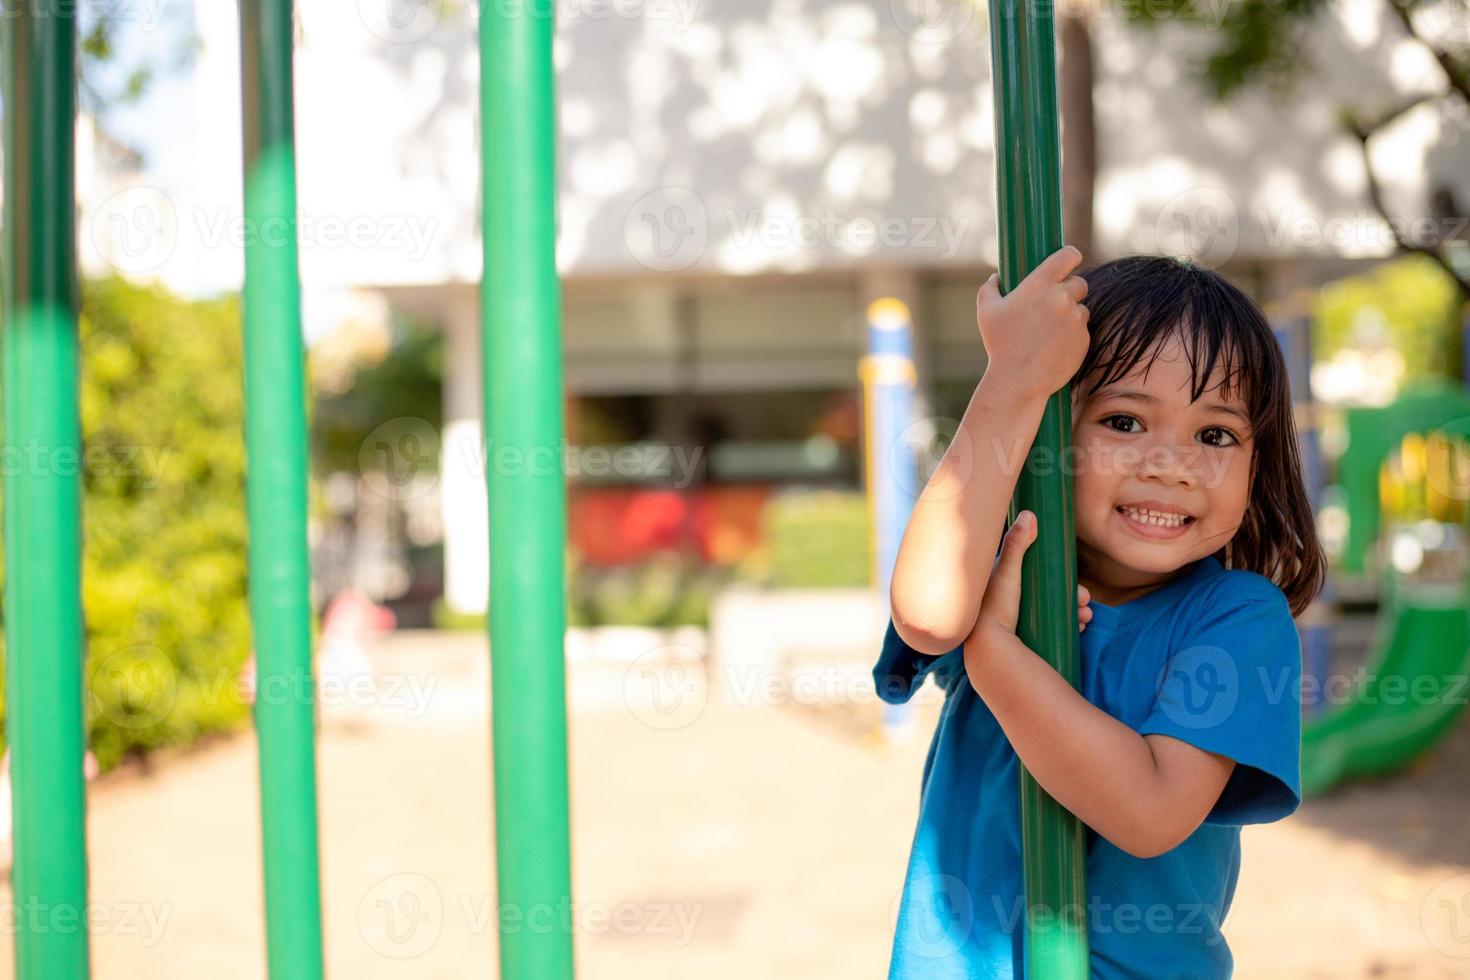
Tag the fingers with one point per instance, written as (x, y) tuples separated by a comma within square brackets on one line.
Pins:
[(1059, 264), (1004, 585), (1020, 534), (1018, 538), (1075, 287), (1003, 591), (989, 292)]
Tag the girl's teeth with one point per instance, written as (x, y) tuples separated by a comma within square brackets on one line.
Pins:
[(1154, 518)]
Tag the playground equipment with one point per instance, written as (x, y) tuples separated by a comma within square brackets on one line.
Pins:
[(520, 320), (43, 547), (1413, 685), (1440, 410), (888, 378), (1028, 190)]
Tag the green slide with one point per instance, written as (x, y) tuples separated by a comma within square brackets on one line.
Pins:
[(1414, 683), (1409, 693)]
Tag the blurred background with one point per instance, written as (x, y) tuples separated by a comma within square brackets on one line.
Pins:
[(738, 182)]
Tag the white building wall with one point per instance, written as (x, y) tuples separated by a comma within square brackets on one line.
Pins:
[(768, 136), (765, 136)]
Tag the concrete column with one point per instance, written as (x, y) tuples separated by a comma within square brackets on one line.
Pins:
[(462, 466)]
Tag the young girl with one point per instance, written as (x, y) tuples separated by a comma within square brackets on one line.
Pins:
[(1196, 547)]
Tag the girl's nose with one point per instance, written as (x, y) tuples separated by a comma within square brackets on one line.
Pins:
[(1168, 461)]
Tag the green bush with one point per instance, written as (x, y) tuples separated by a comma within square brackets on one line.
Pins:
[(164, 572), (816, 539), (664, 590)]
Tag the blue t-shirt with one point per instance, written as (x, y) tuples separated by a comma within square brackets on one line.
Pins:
[(1211, 658)]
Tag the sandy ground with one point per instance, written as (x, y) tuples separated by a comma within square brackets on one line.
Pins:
[(710, 841)]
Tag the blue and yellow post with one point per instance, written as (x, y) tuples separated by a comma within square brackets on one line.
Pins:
[(888, 378)]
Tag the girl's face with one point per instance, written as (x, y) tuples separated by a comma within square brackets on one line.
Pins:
[(1161, 481)]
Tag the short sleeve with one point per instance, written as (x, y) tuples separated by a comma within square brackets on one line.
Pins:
[(901, 669), (1233, 687)]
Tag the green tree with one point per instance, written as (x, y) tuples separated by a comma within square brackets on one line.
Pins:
[(1263, 43), (404, 381), (164, 572), (1414, 302)]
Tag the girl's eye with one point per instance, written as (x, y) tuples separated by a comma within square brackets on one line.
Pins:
[(1225, 433), (1123, 420)]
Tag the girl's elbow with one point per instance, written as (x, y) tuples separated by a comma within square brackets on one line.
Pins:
[(921, 636), (1146, 848), (931, 619), (919, 623), (1151, 842)]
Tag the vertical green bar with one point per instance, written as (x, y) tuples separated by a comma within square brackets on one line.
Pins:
[(1029, 217), (275, 446), (520, 307), (42, 503)]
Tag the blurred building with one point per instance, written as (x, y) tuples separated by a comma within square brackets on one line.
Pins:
[(738, 180)]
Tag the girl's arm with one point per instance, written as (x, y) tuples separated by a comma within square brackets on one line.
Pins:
[(1144, 793), (1036, 337), (949, 544)]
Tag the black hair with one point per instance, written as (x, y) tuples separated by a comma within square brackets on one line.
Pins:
[(1139, 302)]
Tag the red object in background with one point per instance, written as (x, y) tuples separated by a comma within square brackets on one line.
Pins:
[(729, 521), (614, 526), (618, 525), (352, 612)]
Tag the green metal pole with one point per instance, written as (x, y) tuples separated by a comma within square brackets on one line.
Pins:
[(275, 446), (520, 307), (1029, 203), (43, 543)]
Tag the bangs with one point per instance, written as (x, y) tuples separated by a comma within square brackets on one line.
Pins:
[(1138, 304)]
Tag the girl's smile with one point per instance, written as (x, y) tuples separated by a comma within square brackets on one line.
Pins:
[(1162, 480), (1153, 519)]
